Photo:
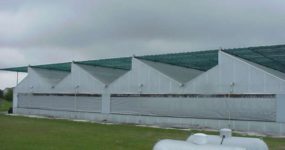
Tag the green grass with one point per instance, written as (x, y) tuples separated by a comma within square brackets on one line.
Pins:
[(5, 105), (46, 134)]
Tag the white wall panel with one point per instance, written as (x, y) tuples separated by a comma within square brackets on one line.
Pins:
[(213, 107), (89, 104), (227, 73), (205, 83), (256, 83), (66, 85), (41, 80), (87, 83), (68, 103), (180, 74), (247, 76), (23, 86), (213, 80), (241, 78), (282, 87), (272, 84), (38, 83), (50, 76), (105, 75), (152, 80)]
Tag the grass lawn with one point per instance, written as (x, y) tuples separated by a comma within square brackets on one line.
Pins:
[(22, 133), (5, 105)]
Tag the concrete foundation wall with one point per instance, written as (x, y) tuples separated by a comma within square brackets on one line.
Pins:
[(270, 128)]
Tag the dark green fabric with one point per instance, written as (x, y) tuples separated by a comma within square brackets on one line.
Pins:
[(124, 63), (58, 67), (201, 60), (16, 69), (269, 56)]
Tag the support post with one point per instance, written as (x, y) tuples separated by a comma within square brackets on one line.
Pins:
[(17, 78), (106, 101), (15, 100), (280, 111)]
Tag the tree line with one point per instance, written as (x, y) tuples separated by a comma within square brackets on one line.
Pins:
[(7, 94)]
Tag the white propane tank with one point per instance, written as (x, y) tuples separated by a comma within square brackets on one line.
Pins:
[(225, 139), (199, 139), (183, 145)]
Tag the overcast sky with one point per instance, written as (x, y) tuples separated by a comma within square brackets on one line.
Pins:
[(48, 31)]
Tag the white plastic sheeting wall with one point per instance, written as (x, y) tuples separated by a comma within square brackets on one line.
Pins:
[(232, 75), (262, 109), (248, 77), (85, 81), (144, 78), (65, 103), (36, 81), (105, 75), (206, 83), (79, 80), (180, 74)]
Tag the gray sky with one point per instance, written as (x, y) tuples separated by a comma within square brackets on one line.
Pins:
[(41, 31)]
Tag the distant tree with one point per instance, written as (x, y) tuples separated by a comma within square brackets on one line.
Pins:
[(1, 93), (8, 94)]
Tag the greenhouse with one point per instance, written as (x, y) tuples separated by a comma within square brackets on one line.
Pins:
[(242, 88)]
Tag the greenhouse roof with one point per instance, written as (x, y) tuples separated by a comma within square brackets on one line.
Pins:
[(124, 63), (16, 69), (58, 67), (268, 56), (200, 60)]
